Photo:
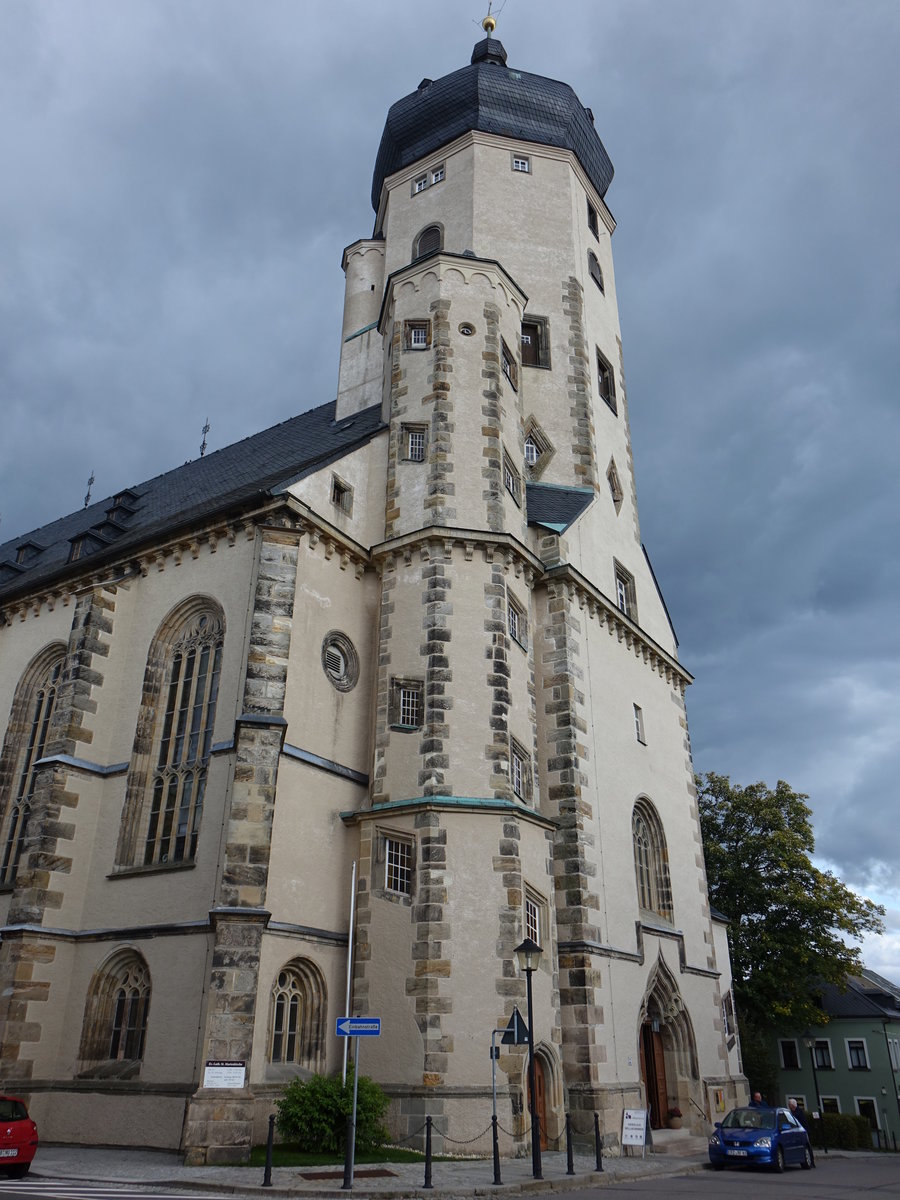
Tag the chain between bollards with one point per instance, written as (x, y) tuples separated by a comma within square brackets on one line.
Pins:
[(267, 1176), (427, 1183), (598, 1145), (495, 1137)]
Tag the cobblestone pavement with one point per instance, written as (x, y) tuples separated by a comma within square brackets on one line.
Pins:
[(462, 1177)]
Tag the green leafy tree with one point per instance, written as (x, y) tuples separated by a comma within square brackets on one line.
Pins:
[(312, 1113), (788, 919)]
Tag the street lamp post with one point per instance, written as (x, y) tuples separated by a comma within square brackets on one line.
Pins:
[(809, 1042), (529, 956)]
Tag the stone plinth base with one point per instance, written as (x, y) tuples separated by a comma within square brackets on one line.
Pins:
[(219, 1128)]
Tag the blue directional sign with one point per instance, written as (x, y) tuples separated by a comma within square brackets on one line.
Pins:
[(358, 1026)]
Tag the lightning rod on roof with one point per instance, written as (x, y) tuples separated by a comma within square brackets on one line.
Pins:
[(205, 430), (87, 494)]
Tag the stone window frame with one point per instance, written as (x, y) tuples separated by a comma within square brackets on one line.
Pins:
[(606, 382), (626, 593), (538, 354), (402, 689), (639, 724), (520, 163), (521, 774), (516, 620), (340, 662), (596, 271), (542, 444), (167, 766), (417, 334), (386, 842), (593, 220), (414, 438), (535, 916), (615, 486), (512, 481), (341, 495), (116, 1017), (25, 742), (509, 366), (428, 241), (300, 995), (651, 861)]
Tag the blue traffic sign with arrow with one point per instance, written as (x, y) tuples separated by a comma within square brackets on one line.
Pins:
[(358, 1026)]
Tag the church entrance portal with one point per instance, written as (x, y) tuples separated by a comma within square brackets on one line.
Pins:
[(653, 1073), (540, 1087)]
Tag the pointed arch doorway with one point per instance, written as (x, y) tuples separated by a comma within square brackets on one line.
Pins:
[(540, 1107), (653, 1073)]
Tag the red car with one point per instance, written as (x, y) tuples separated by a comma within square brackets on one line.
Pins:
[(18, 1137)]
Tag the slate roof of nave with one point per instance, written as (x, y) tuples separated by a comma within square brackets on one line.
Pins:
[(260, 465)]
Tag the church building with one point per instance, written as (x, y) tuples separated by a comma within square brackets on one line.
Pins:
[(358, 704)]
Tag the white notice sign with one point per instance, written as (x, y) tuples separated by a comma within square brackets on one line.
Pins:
[(634, 1125), (221, 1074)]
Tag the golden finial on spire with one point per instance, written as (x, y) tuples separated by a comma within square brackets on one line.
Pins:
[(489, 24)]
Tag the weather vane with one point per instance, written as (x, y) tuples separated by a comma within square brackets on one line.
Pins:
[(205, 430), (87, 494)]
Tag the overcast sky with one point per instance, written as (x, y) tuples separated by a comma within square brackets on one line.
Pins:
[(178, 182)]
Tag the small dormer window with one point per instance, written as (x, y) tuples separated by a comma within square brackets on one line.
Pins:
[(521, 163), (77, 549)]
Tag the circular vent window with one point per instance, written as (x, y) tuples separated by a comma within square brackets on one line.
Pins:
[(466, 329), (340, 661)]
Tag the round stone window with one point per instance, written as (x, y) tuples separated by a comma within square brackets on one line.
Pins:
[(466, 329), (340, 661)]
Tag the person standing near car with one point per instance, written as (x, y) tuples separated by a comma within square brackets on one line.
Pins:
[(799, 1113), (757, 1101)]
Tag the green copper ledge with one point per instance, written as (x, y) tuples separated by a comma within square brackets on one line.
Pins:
[(449, 804)]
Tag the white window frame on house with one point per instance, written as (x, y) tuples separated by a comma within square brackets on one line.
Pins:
[(835, 1100), (626, 596), (437, 174), (785, 1066), (516, 621), (417, 334), (341, 494), (535, 916), (420, 184), (415, 442), (407, 696), (541, 450), (821, 1050), (521, 163), (398, 865), (511, 479), (639, 724), (894, 1052), (857, 1042), (519, 770), (870, 1100)]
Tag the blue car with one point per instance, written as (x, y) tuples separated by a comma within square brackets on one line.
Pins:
[(770, 1136)]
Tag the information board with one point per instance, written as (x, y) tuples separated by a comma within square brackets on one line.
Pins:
[(634, 1126), (222, 1074)]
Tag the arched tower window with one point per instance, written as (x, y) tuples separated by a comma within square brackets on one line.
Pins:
[(651, 861), (167, 780), (26, 740), (115, 1015), (298, 1016), (429, 241)]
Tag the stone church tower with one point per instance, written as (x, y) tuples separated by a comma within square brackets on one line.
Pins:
[(414, 629)]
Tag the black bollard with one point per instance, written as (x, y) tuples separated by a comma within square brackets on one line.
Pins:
[(267, 1176), (598, 1145), (495, 1137), (570, 1158), (427, 1183), (349, 1151)]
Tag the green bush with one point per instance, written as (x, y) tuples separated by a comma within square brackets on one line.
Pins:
[(863, 1132), (840, 1131), (313, 1113)]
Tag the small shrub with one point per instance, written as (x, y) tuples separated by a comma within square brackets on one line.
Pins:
[(840, 1131), (863, 1132), (313, 1113)]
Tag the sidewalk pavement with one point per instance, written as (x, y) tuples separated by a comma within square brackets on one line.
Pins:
[(459, 1178)]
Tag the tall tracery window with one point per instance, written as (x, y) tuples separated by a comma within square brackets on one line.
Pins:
[(116, 1012), (298, 1015), (651, 861), (26, 741), (167, 781)]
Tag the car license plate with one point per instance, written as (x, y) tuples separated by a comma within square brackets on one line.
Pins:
[(8, 1153), (738, 1153)]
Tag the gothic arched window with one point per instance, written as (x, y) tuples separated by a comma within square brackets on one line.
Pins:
[(651, 861), (26, 739), (298, 1016), (167, 780), (116, 1012), (429, 241)]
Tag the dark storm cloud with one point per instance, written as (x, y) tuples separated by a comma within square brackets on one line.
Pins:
[(180, 180)]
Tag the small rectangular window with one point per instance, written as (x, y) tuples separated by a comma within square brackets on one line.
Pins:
[(398, 859), (516, 621), (535, 917), (77, 549), (857, 1054), (593, 223), (535, 342), (414, 442), (595, 270), (511, 480), (437, 174), (406, 704), (508, 365), (416, 335), (521, 162), (831, 1104), (626, 598), (639, 724), (822, 1053), (519, 770), (894, 1048), (790, 1055), (341, 494), (420, 183), (606, 384)]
